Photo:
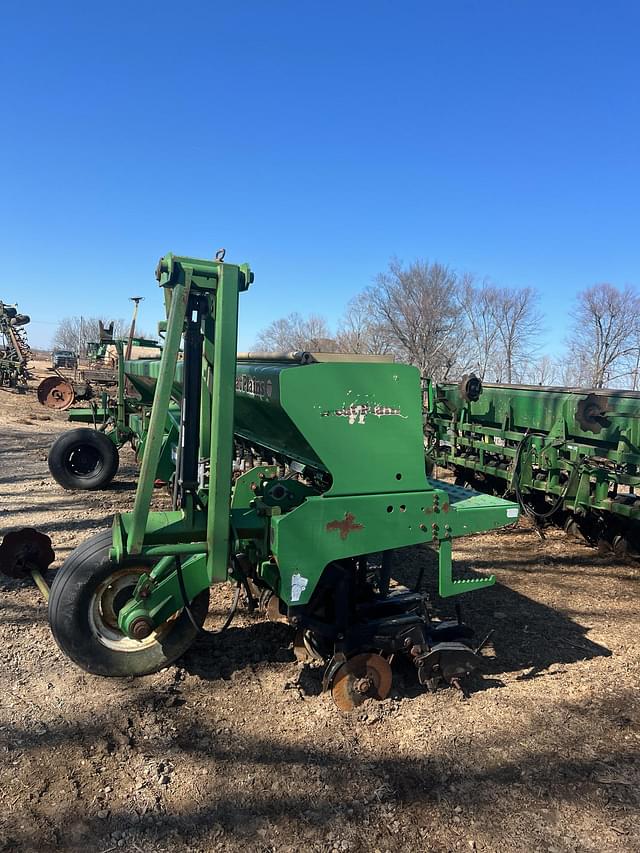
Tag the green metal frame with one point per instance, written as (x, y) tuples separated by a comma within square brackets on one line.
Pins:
[(357, 425), (362, 423), (581, 462), (142, 532)]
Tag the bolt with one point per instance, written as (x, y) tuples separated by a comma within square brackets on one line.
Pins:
[(363, 685), (140, 628)]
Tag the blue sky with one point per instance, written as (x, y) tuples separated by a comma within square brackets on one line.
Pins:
[(315, 141)]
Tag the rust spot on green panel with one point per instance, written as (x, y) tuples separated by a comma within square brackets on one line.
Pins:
[(346, 526)]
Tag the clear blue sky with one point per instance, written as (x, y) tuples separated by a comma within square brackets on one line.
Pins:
[(315, 140)]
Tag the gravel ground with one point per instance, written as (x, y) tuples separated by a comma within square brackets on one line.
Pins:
[(236, 748)]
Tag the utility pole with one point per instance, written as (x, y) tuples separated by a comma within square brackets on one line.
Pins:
[(136, 301)]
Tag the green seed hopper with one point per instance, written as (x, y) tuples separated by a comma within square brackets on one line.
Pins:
[(296, 478), (330, 418)]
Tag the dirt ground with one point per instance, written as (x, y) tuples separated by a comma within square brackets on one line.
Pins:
[(236, 748)]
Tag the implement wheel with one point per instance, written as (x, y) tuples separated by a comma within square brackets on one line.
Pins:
[(87, 594), (83, 459)]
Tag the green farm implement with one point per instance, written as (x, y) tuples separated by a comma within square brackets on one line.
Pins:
[(14, 347), (88, 458), (295, 478), (98, 380), (570, 456)]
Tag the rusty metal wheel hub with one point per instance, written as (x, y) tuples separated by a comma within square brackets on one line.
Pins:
[(365, 676), (54, 392)]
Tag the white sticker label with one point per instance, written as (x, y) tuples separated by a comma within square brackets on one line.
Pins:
[(357, 413), (513, 512), (298, 586)]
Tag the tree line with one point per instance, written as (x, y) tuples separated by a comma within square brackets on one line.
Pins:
[(448, 324), (75, 333)]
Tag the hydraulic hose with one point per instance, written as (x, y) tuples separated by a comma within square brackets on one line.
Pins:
[(185, 601), (526, 508)]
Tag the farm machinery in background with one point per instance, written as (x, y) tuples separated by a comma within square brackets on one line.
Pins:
[(88, 459), (295, 478), (569, 456), (62, 390), (14, 347)]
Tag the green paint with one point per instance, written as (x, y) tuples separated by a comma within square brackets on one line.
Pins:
[(581, 461), (355, 425)]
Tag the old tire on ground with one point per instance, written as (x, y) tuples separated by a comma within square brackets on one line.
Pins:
[(86, 596), (83, 459)]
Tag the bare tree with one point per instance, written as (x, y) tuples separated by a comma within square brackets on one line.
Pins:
[(501, 326), (544, 371), (427, 315), (296, 332), (74, 333), (519, 323), (479, 306), (417, 305), (358, 332), (574, 370), (603, 344), (633, 361)]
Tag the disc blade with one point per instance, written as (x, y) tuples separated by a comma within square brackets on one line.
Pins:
[(56, 393), (365, 676), (23, 550)]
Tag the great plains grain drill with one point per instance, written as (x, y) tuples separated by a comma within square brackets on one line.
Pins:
[(296, 478)]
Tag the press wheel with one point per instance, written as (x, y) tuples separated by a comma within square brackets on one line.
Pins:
[(365, 676)]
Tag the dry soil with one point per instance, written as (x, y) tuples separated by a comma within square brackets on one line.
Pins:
[(236, 748)]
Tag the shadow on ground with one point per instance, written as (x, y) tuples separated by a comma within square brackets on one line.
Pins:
[(326, 786)]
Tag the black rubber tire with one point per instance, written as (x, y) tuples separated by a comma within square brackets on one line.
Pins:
[(70, 605), (90, 446)]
